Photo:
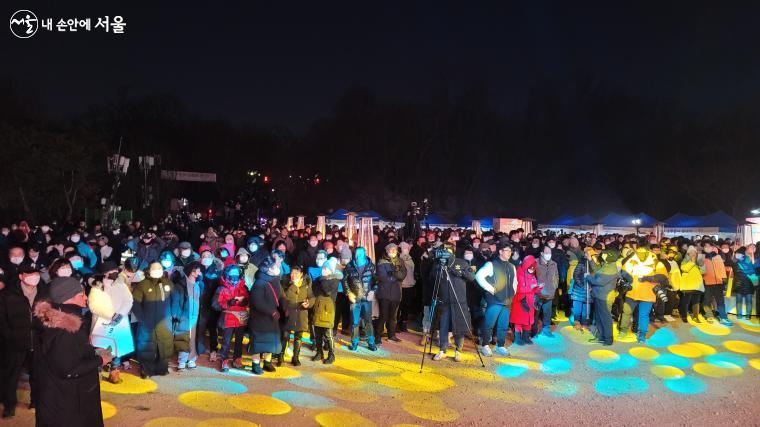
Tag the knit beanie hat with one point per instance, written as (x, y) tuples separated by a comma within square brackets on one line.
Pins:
[(63, 289)]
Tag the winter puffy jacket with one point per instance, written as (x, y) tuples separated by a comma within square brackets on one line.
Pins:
[(390, 273), (649, 267), (715, 270), (360, 280), (298, 317), (744, 274), (691, 275), (232, 301), (547, 274), (525, 294)]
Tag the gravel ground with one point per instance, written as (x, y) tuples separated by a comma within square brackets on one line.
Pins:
[(687, 374)]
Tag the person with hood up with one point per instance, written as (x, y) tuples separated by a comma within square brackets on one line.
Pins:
[(360, 290), (325, 291), (523, 309), (248, 269), (714, 276), (152, 306), (692, 285), (185, 316), (646, 270), (390, 272), (256, 250), (267, 308), (110, 302), (232, 301), (64, 361), (299, 298)]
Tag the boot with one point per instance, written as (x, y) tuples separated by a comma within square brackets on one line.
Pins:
[(225, 365), (256, 368), (331, 352), (269, 367), (296, 353), (526, 337), (279, 359), (318, 356)]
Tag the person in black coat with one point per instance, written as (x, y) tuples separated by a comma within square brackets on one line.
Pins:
[(390, 272), (152, 307), (299, 298), (325, 292), (17, 334), (452, 303), (66, 365), (267, 307)]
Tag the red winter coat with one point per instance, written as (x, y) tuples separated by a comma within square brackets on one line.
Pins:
[(525, 289), (228, 304)]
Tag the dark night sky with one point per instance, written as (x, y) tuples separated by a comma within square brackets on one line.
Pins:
[(286, 63)]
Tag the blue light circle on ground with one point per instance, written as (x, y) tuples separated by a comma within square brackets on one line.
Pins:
[(686, 385), (304, 400), (662, 338), (672, 360), (618, 386), (511, 371), (720, 359), (556, 366), (625, 361)]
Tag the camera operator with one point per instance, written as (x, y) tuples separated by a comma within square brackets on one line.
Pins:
[(452, 299)]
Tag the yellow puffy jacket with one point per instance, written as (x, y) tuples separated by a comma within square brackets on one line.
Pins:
[(675, 276), (637, 268), (691, 275)]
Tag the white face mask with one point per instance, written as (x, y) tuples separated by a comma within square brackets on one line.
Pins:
[(186, 253), (535, 245), (16, 260), (207, 261), (468, 257), (253, 248), (547, 257), (156, 274), (243, 259), (32, 280), (320, 262), (75, 238), (64, 272), (739, 257), (552, 245)]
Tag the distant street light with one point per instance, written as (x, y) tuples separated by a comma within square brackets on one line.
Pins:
[(755, 211)]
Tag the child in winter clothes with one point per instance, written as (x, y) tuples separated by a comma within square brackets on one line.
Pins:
[(232, 301)]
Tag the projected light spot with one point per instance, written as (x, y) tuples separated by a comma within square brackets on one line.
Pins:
[(354, 396), (624, 362), (131, 385), (643, 353), (211, 384), (742, 347), (749, 326), (706, 338), (504, 396), (414, 381), (207, 401), (108, 410), (606, 356), (721, 359), (705, 349), (618, 386), (684, 350), (672, 360), (511, 371), (667, 372), (576, 336), (259, 404), (472, 374), (225, 422), (686, 385), (713, 328), (529, 364), (555, 344), (662, 338), (755, 363), (721, 370), (557, 388), (283, 372), (556, 366), (304, 400), (170, 422), (342, 419), (335, 380), (405, 366), (356, 364), (428, 407)]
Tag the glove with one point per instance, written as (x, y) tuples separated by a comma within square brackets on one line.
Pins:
[(275, 315), (116, 319)]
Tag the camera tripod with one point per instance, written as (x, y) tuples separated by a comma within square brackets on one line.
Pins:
[(443, 269)]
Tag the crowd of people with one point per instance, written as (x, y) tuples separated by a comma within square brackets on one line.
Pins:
[(81, 303)]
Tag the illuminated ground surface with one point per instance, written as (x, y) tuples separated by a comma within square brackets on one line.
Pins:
[(687, 374)]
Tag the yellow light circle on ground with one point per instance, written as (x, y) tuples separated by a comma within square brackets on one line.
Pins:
[(755, 363), (705, 349), (336, 380), (283, 372), (355, 396), (667, 372), (225, 422), (504, 396), (414, 381), (712, 328), (644, 353), (170, 422), (342, 419), (749, 326), (528, 364), (716, 371), (604, 356), (742, 347), (208, 401), (406, 366), (259, 404), (108, 410), (363, 366), (472, 374), (684, 350), (429, 407), (131, 384)]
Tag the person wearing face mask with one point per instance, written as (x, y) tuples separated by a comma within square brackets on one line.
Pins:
[(107, 252), (256, 250), (110, 301), (147, 248), (547, 275), (65, 363), (297, 289), (16, 257), (744, 284), (560, 257), (407, 287), (87, 256), (308, 255), (715, 287), (36, 258), (243, 261), (644, 267), (152, 305), (523, 308), (325, 292), (267, 308), (390, 272), (474, 293), (207, 321), (185, 316), (498, 280), (231, 300), (185, 256), (534, 249), (17, 334), (360, 289), (452, 306), (81, 271)]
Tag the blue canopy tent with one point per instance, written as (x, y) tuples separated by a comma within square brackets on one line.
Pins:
[(567, 222), (338, 215), (614, 220), (435, 220), (370, 214), (466, 222), (717, 223)]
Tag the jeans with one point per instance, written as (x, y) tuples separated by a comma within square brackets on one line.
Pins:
[(715, 292), (238, 350), (689, 303), (546, 313), (362, 310), (603, 320), (580, 311), (388, 313), (644, 308), (496, 315), (445, 322), (744, 305)]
